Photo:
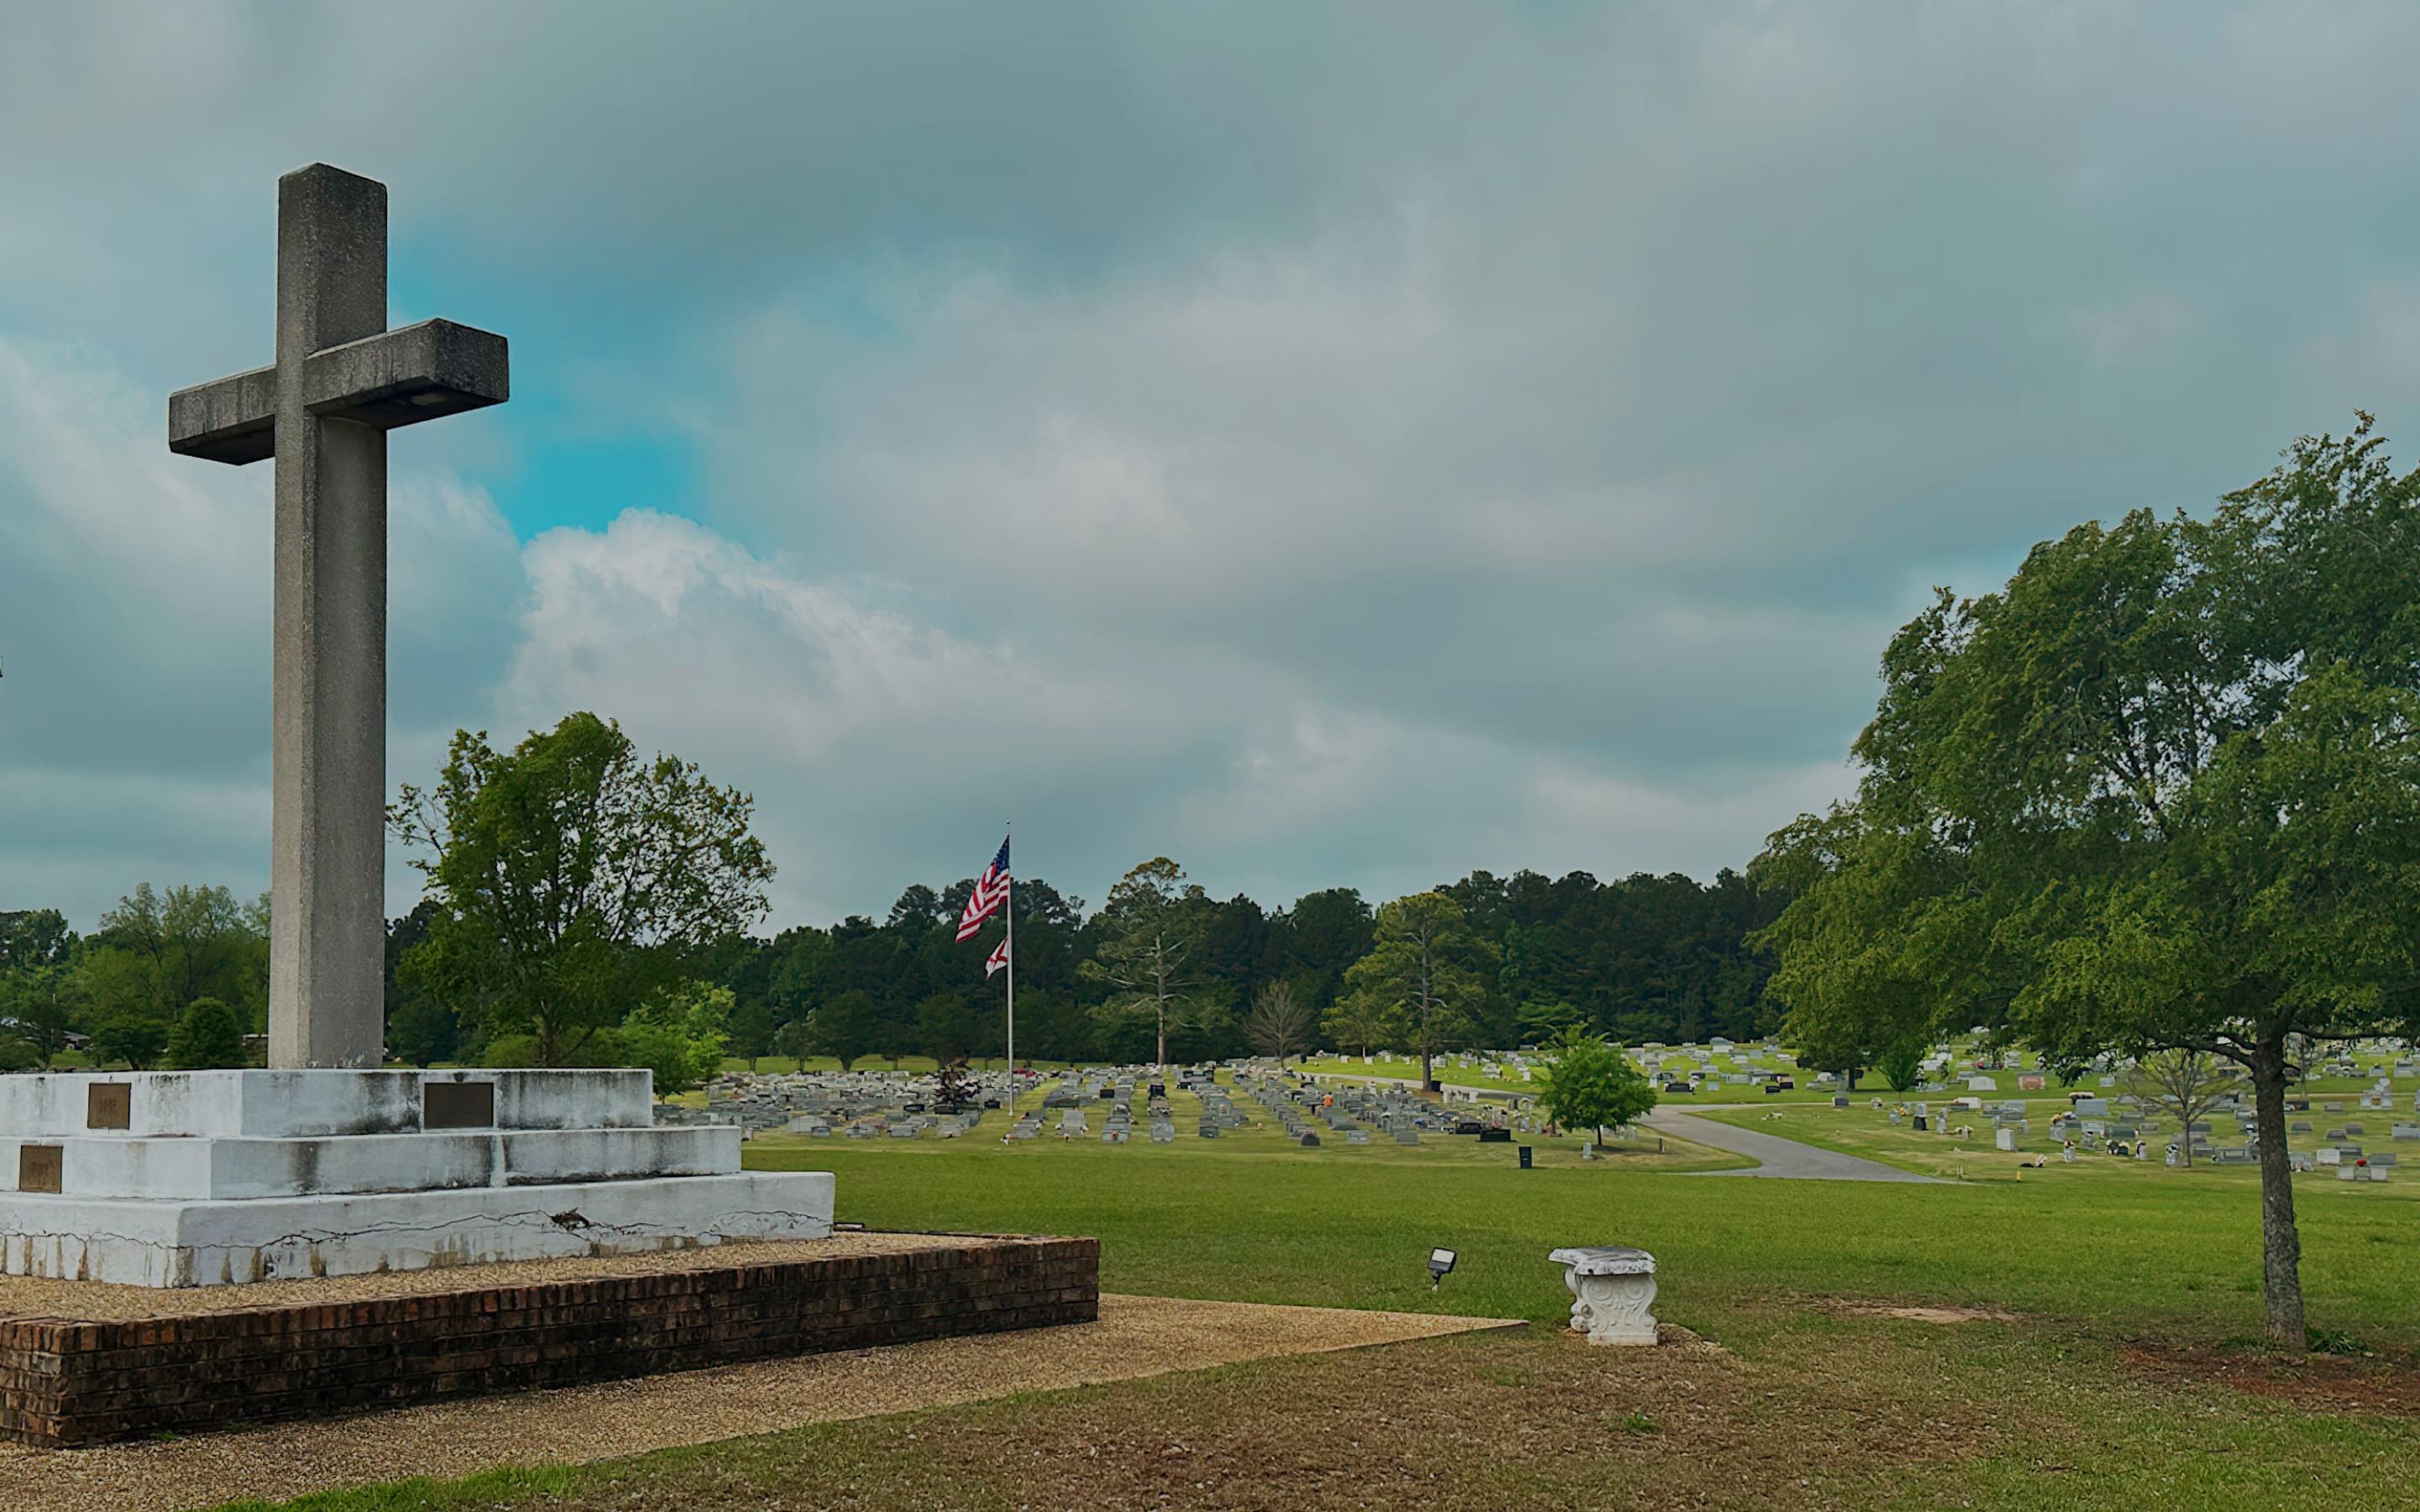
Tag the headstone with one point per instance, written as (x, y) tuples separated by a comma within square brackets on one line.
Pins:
[(2005, 1139)]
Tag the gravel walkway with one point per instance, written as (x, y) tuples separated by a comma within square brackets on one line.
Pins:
[(1135, 1336)]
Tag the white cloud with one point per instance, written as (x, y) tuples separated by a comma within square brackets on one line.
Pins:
[(1337, 453)]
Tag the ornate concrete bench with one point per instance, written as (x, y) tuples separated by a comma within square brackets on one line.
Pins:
[(1612, 1287)]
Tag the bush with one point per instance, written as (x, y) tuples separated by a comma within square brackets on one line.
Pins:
[(511, 1051), (208, 1038), (131, 1035)]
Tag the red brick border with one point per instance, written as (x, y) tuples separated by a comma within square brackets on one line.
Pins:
[(66, 1383)]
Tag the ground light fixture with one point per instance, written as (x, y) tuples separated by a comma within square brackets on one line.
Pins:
[(1440, 1265)]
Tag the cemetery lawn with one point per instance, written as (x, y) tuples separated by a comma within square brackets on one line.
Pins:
[(2104, 1358)]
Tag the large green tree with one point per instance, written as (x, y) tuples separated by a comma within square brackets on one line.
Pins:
[(1860, 974), (1152, 924), (1428, 968), (574, 880), (38, 994), (2170, 777), (847, 1027)]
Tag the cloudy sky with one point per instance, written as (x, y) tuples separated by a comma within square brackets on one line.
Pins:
[(1325, 444)]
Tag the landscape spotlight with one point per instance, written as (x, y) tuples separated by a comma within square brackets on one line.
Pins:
[(1441, 1262)]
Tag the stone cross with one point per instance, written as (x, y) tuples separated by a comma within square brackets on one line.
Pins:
[(341, 382)]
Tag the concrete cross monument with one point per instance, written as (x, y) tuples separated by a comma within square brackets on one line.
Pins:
[(341, 382), (325, 1163)]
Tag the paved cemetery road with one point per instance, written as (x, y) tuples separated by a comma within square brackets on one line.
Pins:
[(1785, 1159)]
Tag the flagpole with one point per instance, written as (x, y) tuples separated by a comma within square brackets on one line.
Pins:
[(1008, 911)]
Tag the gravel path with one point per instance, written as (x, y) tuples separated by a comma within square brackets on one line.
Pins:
[(1135, 1336), (1781, 1159)]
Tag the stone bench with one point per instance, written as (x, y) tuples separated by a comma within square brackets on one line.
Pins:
[(1612, 1287)]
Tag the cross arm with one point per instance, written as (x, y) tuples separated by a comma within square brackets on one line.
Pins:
[(402, 377), (395, 377), (233, 420)]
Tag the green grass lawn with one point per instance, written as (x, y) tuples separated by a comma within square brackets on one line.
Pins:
[(2133, 1292)]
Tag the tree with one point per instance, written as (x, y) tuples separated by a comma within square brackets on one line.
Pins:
[(207, 1037), (574, 881), (194, 942), (2168, 779), (42, 1002), (1424, 968), (2187, 1083), (795, 1040), (35, 937), (1901, 1064), (848, 1028), (421, 1027), (1863, 980), (1363, 1021), (948, 1025), (1591, 1085), (752, 1032), (1281, 1022), (1324, 934), (37, 996), (1152, 923)]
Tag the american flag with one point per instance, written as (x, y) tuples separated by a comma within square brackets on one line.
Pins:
[(998, 962), (991, 890)]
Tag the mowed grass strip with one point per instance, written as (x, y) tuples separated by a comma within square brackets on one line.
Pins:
[(1206, 1218)]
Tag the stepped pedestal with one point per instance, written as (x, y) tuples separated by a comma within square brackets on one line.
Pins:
[(175, 1178)]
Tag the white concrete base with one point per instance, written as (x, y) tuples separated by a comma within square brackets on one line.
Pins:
[(312, 1105), (1612, 1288), (217, 1168), (182, 1244)]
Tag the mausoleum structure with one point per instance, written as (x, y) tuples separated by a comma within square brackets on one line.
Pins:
[(175, 1178)]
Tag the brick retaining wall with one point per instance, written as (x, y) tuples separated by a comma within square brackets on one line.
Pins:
[(65, 1382)]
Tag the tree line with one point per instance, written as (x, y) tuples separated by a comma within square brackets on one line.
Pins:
[(1161, 971)]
